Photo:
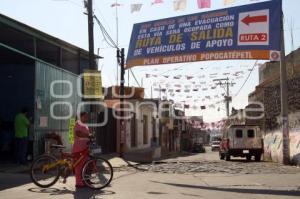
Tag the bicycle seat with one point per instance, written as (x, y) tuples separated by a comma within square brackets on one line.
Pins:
[(56, 146)]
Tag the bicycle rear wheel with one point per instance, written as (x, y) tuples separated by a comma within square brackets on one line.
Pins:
[(97, 173), (41, 174)]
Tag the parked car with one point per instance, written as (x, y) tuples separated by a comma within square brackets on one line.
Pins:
[(215, 145), (241, 141), (198, 148)]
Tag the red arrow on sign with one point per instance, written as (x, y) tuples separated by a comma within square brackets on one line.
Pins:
[(255, 19)]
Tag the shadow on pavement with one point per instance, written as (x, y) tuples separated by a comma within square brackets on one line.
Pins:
[(80, 193), (8, 181), (237, 190), (245, 161), (155, 193)]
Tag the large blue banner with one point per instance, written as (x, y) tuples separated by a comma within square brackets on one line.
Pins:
[(244, 32)]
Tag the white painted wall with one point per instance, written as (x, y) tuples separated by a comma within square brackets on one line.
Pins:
[(140, 111), (273, 141), (148, 112), (273, 146)]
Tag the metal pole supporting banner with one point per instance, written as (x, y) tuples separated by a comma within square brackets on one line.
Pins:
[(117, 36), (121, 55), (284, 100)]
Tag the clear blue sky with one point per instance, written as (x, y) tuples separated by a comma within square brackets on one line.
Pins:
[(65, 19)]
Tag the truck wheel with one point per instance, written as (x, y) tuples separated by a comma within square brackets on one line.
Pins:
[(222, 156), (227, 157), (257, 157), (248, 157)]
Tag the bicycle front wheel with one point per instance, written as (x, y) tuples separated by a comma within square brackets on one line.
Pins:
[(97, 173), (43, 171)]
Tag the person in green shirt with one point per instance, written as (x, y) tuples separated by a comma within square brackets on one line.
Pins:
[(21, 136)]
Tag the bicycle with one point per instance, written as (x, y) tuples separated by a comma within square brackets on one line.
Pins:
[(97, 172)]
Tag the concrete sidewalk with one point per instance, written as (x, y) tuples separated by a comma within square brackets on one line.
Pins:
[(136, 184), (147, 185), (115, 161)]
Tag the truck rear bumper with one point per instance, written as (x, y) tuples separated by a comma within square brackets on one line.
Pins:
[(244, 152)]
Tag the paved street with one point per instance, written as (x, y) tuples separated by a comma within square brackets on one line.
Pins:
[(195, 176)]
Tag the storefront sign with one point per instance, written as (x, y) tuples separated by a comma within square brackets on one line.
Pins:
[(92, 84), (71, 130)]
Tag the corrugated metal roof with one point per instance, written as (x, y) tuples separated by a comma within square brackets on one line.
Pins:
[(42, 35)]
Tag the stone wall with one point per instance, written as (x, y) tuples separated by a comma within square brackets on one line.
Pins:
[(272, 102), (268, 92), (270, 69)]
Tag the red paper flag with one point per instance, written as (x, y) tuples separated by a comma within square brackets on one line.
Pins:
[(204, 4), (157, 2)]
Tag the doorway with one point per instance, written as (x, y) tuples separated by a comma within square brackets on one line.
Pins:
[(17, 76), (133, 130), (145, 129)]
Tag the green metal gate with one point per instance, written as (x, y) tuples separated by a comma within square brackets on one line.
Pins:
[(44, 122)]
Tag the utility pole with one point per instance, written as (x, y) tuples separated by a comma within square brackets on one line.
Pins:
[(228, 98), (92, 64), (117, 37), (121, 60), (284, 98)]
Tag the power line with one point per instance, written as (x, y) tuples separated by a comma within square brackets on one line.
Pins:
[(99, 11), (228, 98), (112, 43), (246, 79), (110, 47), (135, 78), (106, 35)]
